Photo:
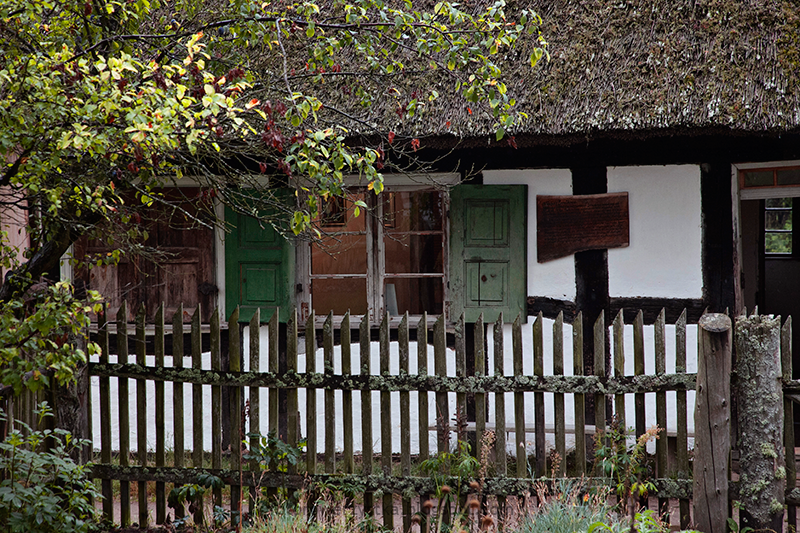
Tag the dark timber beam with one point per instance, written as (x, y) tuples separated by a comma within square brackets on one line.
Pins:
[(591, 274), (718, 246)]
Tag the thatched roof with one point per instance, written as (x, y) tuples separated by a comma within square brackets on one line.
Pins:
[(644, 66)]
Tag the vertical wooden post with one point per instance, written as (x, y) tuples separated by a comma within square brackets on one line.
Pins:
[(519, 401), (422, 398), (177, 396), (661, 405), (788, 422), (161, 498), (330, 411), (235, 362), (216, 404), (105, 417), (682, 415), (499, 401), (347, 396), (619, 366), (366, 410), (638, 370), (480, 397), (558, 398), (762, 478), (440, 368), (386, 424), (599, 371), (124, 415), (254, 397), (405, 418), (461, 372), (197, 392), (579, 398), (538, 398), (311, 397), (292, 415), (141, 414), (712, 424)]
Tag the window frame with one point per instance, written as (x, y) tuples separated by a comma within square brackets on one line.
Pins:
[(376, 250), (767, 192)]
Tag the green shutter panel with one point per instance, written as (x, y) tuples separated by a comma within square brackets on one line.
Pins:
[(488, 264), (259, 268)]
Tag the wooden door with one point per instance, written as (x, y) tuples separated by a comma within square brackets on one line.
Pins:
[(259, 268), (488, 270)]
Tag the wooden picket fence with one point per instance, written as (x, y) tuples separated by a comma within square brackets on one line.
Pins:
[(379, 470)]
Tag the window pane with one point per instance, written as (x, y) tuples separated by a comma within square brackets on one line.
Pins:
[(778, 243), (339, 296), (779, 202), (414, 295), (413, 211), (789, 176), (344, 254), (758, 178), (338, 214), (413, 254), (780, 220)]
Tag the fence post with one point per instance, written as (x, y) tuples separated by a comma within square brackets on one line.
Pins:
[(712, 424), (760, 411)]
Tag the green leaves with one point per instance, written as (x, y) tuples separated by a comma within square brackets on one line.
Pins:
[(37, 345)]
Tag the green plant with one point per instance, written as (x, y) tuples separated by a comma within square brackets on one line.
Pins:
[(42, 489), (450, 471), (273, 454), (646, 521), (192, 494), (625, 466), (565, 506)]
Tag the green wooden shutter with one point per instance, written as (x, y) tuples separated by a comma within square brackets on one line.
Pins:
[(259, 268), (488, 264)]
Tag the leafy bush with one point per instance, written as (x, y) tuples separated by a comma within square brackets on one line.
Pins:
[(43, 491)]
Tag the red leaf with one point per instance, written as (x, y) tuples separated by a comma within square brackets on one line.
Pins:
[(415, 144), (391, 137)]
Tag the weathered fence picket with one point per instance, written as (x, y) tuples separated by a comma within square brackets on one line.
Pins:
[(124, 416), (519, 400), (105, 416), (682, 435), (141, 415), (558, 397), (405, 416), (579, 399), (441, 371), (161, 437), (177, 395), (236, 415), (661, 404), (538, 398), (254, 396)]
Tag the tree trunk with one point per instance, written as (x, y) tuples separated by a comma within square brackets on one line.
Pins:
[(760, 402)]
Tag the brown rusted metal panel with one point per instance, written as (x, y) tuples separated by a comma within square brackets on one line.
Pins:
[(569, 224)]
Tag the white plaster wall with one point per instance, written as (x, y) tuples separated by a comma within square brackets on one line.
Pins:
[(664, 256), (527, 342), (554, 279)]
